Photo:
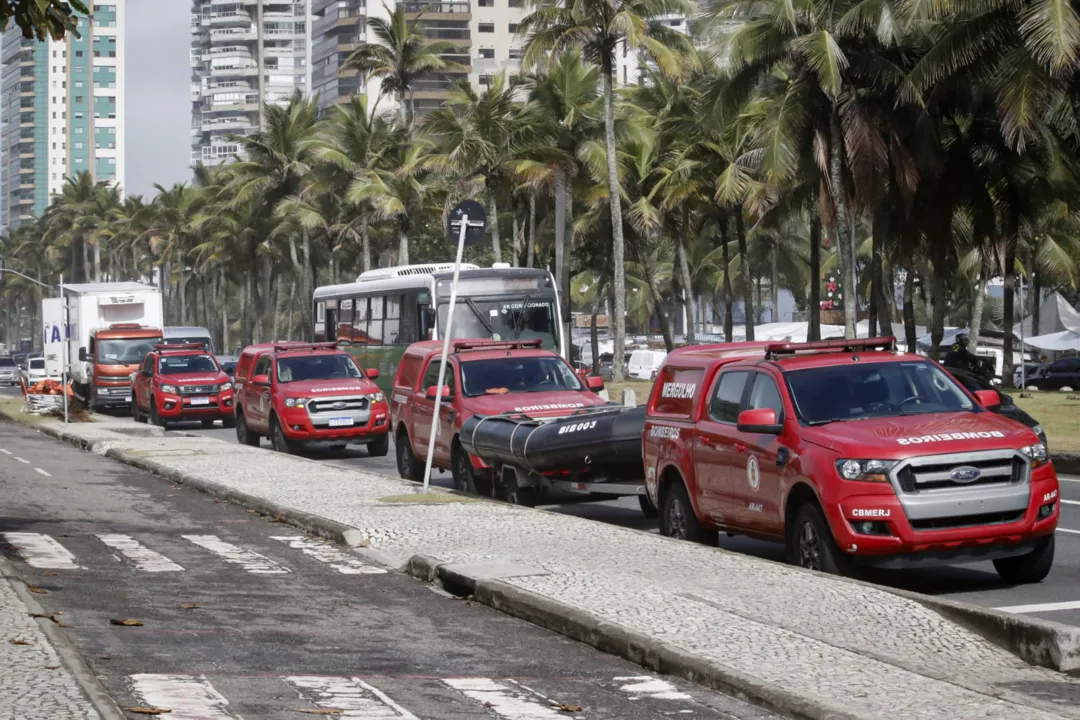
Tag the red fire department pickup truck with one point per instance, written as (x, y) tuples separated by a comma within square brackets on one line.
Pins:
[(849, 452), (483, 377), (296, 393), (181, 382)]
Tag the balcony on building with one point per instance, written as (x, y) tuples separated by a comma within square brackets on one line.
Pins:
[(233, 18), (427, 8), (229, 122), (233, 35)]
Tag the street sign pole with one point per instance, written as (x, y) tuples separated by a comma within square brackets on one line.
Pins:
[(65, 346)]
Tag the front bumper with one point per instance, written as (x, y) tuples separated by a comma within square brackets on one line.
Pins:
[(871, 523), (181, 407), (112, 395), (366, 425)]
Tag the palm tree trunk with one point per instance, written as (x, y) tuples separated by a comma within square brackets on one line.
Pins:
[(937, 315), (530, 242), (729, 321), (618, 269), (223, 300), (85, 270), (687, 284), (517, 230), (978, 296), (568, 244), (845, 249), (909, 310), (1009, 275), (774, 284), (403, 246), (1036, 297), (276, 324), (748, 286), (658, 299), (560, 225), (493, 223), (594, 339), (365, 243), (814, 330), (97, 261)]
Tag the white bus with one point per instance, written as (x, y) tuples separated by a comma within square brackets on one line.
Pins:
[(388, 309)]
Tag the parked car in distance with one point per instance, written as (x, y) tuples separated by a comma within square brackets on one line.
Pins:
[(33, 370), (1026, 373), (187, 336), (1007, 407), (181, 383), (228, 364), (297, 393), (852, 454), (9, 370), (644, 364), (483, 377), (1063, 373)]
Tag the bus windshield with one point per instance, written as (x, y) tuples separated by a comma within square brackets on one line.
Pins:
[(503, 319)]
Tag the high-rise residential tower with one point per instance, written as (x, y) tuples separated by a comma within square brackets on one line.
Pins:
[(244, 53), (62, 111)]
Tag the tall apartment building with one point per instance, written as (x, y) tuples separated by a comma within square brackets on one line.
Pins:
[(243, 53), (62, 111), (485, 30)]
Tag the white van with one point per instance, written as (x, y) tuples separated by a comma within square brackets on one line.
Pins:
[(645, 364), (186, 335)]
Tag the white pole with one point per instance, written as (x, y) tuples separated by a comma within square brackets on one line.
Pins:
[(1023, 367), (445, 351), (65, 346)]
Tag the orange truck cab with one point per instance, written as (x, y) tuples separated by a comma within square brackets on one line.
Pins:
[(113, 354)]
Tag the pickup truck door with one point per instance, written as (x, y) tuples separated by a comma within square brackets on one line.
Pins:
[(755, 476), (422, 409), (258, 398), (447, 416), (141, 388), (715, 449)]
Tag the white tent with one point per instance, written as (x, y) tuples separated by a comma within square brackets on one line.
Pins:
[(1064, 340), (1055, 315)]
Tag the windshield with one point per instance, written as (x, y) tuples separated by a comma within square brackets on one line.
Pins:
[(6, 362), (316, 367), (506, 319), (186, 364), (517, 375), (37, 364), (124, 352), (857, 392)]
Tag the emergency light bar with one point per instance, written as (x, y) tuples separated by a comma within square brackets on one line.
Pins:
[(533, 343), (297, 345), (165, 347), (841, 345)]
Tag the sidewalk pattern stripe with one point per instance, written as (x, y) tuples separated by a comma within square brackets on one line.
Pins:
[(41, 551)]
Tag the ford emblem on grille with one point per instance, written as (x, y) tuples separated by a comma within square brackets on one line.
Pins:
[(339, 405), (965, 474)]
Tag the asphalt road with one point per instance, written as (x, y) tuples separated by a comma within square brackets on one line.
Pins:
[(242, 617)]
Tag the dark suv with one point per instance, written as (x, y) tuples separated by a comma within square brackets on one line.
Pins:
[(1057, 375)]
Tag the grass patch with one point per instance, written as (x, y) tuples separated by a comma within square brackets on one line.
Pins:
[(641, 389), (430, 498), (12, 407), (1059, 416)]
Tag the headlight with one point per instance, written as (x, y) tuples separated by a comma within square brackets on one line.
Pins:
[(170, 389), (377, 397), (224, 386), (1037, 453), (865, 470), (295, 402)]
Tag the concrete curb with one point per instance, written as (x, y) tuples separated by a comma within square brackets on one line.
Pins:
[(1066, 463), (1039, 642), (607, 637), (92, 688)]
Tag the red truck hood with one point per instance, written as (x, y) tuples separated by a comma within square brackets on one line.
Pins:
[(195, 378), (895, 438), (115, 373), (327, 388), (538, 404)]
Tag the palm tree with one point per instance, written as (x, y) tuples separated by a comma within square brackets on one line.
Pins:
[(598, 28), (400, 57)]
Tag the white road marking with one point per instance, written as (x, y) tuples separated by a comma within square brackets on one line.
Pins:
[(650, 687), (1070, 502), (356, 698), (1044, 607), (187, 697), (503, 700), (342, 562), (144, 558), (1066, 530), (6, 452), (252, 562), (1060, 479), (42, 472), (23, 461), (42, 551)]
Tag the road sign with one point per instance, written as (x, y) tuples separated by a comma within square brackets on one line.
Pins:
[(476, 219)]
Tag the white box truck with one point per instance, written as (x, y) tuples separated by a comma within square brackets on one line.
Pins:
[(110, 328)]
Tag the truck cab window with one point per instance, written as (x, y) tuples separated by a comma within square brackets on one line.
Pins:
[(728, 398)]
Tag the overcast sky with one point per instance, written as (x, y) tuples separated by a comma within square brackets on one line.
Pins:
[(158, 106)]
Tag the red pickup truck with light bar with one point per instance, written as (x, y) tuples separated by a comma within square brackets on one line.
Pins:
[(849, 452), (297, 393), (178, 383)]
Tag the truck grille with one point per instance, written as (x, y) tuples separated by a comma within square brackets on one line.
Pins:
[(937, 472), (942, 523), (198, 389), (338, 405)]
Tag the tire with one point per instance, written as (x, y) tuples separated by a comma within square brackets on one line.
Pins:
[(647, 508), (244, 436), (408, 466), (811, 545), (461, 470), (278, 441), (207, 424), (522, 495), (678, 519), (154, 418), (379, 447), (228, 422), (136, 412), (1030, 568)]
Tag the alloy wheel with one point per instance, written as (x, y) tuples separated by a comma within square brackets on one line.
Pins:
[(810, 549)]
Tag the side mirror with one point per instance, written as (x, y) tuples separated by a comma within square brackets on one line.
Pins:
[(1006, 400), (988, 398), (145, 373), (594, 383), (433, 391), (82, 355), (372, 373), (760, 421), (261, 379)]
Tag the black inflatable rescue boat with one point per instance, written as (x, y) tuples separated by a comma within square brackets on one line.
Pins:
[(601, 442)]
